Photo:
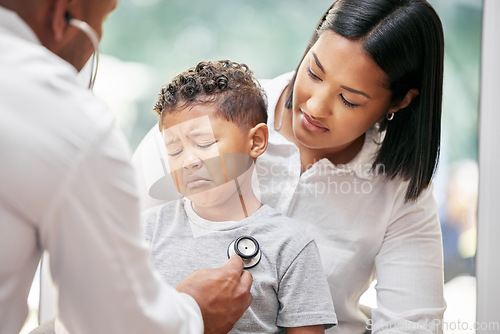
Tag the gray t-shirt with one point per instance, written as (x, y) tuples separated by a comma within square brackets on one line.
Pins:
[(289, 287)]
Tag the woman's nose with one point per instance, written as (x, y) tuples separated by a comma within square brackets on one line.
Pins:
[(319, 105)]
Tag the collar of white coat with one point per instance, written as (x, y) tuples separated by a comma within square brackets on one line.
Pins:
[(13, 24)]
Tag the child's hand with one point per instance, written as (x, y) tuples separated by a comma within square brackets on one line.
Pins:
[(223, 294)]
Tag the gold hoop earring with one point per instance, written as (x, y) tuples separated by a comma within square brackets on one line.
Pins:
[(389, 116)]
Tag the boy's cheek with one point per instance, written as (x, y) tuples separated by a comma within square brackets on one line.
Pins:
[(235, 164), (173, 165), (176, 179)]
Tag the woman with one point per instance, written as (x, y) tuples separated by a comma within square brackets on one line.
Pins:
[(354, 142)]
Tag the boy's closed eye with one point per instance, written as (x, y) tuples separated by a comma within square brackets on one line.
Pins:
[(174, 148), (205, 144)]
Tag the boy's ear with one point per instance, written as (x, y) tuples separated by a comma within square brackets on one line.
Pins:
[(259, 136), (405, 102)]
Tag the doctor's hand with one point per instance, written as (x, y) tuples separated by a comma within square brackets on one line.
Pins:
[(223, 294)]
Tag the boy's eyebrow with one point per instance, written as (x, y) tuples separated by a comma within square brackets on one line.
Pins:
[(200, 133), (318, 63), (171, 140)]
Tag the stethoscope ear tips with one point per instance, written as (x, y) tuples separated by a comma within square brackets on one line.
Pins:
[(247, 248)]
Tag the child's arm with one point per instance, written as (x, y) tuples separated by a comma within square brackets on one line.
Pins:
[(318, 329), (304, 295)]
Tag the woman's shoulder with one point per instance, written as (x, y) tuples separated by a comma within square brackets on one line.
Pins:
[(280, 81), (273, 88), (422, 211)]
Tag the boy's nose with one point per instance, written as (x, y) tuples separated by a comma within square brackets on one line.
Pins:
[(191, 161)]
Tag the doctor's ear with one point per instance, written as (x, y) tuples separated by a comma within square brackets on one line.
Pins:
[(60, 18), (258, 136)]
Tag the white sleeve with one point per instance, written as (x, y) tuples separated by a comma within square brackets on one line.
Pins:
[(99, 260), (409, 269)]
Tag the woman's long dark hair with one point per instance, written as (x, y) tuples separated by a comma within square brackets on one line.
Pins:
[(405, 38)]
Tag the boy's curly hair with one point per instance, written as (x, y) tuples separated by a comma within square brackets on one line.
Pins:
[(230, 86)]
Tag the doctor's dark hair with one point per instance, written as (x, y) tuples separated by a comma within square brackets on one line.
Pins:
[(405, 39), (229, 86)]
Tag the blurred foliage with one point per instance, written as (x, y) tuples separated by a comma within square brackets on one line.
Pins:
[(270, 37), (462, 29), (172, 36)]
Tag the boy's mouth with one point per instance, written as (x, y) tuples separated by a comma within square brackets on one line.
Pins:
[(195, 181)]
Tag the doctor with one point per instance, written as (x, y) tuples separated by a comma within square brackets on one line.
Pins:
[(67, 187)]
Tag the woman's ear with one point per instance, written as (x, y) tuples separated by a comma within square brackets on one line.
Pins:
[(259, 136), (405, 102)]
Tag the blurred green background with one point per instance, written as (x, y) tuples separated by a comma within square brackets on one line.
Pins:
[(164, 38)]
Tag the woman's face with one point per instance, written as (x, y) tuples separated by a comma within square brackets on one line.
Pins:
[(339, 93)]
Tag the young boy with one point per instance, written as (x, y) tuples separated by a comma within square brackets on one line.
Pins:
[(213, 121)]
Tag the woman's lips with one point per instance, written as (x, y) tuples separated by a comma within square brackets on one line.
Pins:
[(312, 125)]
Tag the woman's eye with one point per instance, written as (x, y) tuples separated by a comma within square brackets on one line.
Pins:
[(347, 103), (312, 75), (207, 145)]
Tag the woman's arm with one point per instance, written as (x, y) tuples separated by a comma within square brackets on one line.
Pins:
[(409, 269), (306, 330)]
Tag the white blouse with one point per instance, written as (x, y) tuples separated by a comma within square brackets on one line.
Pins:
[(362, 227)]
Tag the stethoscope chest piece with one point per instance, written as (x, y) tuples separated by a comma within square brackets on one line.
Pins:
[(247, 248)]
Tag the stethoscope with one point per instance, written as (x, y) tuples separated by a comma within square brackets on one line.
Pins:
[(247, 248)]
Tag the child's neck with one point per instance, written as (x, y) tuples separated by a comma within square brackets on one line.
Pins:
[(240, 205), (235, 209)]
